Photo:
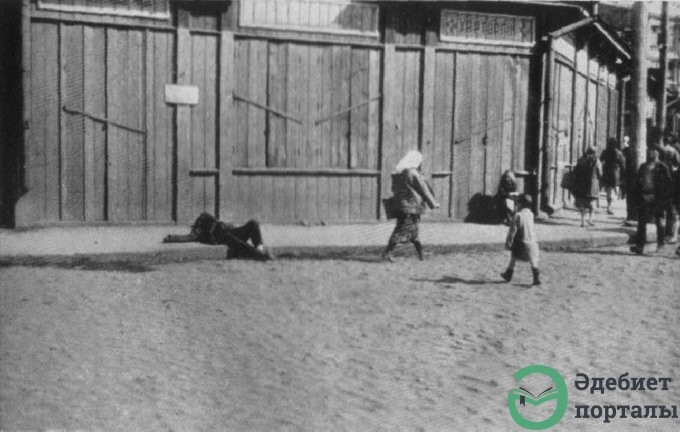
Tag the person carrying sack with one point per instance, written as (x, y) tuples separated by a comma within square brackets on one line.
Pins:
[(412, 195)]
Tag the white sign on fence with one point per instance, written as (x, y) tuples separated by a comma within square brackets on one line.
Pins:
[(181, 94)]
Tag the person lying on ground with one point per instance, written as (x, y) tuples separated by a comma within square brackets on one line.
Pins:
[(207, 229)]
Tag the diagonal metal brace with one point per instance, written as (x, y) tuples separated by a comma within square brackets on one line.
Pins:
[(267, 108), (104, 120), (345, 110)]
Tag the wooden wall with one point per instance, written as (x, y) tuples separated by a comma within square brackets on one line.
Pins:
[(80, 167), (585, 101), (290, 126), (307, 130)]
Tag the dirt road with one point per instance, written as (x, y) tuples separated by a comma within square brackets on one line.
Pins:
[(330, 345)]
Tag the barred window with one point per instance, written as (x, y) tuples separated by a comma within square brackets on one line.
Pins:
[(322, 16), (134, 8)]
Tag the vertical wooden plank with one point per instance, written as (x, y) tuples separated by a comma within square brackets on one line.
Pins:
[(389, 121), (322, 198), (298, 184), (340, 90), (579, 117), (411, 113), (95, 136), (257, 92), (359, 92), (315, 111), (165, 116), (198, 112), (278, 72), (305, 153), (212, 139), (113, 81), (463, 120), (292, 85), (51, 141), (71, 126), (493, 146), (344, 201), (373, 138), (242, 109), (479, 124), (521, 111), (613, 113), (150, 70), (427, 139), (227, 120), (242, 188), (443, 125), (134, 106), (509, 71), (328, 149), (184, 132), (33, 206)]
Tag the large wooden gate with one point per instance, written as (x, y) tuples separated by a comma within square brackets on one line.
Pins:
[(584, 112)]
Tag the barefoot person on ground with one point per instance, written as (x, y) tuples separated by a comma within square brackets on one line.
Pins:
[(412, 195), (522, 241)]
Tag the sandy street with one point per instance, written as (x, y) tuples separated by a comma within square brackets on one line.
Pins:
[(330, 344)]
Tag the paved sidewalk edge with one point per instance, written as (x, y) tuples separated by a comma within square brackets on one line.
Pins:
[(293, 252)]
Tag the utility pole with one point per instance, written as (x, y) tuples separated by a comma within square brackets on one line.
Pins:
[(640, 26), (663, 69)]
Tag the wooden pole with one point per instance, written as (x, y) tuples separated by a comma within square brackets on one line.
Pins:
[(545, 147), (663, 70), (640, 26)]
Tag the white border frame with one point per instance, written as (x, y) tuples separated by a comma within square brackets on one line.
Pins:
[(94, 10)]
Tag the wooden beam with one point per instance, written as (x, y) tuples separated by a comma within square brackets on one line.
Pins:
[(329, 172), (227, 113), (427, 115), (184, 185), (389, 122)]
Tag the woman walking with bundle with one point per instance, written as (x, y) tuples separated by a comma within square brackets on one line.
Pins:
[(587, 174), (614, 163), (412, 195)]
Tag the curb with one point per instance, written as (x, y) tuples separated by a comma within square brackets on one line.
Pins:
[(140, 261)]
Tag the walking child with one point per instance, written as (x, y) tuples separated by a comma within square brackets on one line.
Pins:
[(522, 241)]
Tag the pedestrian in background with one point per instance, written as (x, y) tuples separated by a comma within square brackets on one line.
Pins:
[(628, 182), (653, 191), (522, 241), (613, 165), (412, 195), (670, 156), (507, 194), (587, 174)]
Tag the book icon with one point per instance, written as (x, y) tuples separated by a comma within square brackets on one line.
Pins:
[(526, 396)]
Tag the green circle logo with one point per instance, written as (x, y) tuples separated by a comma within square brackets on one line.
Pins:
[(558, 392)]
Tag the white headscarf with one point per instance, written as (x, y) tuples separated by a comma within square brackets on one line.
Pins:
[(412, 160)]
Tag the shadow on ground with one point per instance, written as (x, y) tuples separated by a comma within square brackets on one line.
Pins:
[(448, 280), (83, 263)]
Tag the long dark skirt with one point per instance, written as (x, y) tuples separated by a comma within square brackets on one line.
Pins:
[(406, 229)]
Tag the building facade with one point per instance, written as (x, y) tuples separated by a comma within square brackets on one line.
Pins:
[(294, 110)]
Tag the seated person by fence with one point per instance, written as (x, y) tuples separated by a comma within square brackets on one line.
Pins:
[(209, 230), (507, 196)]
